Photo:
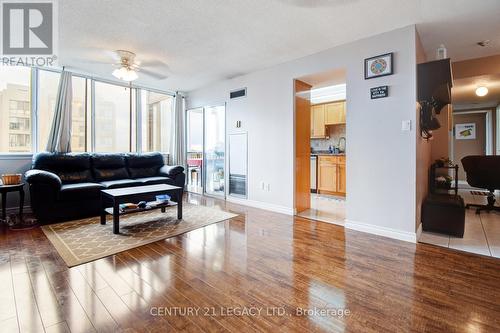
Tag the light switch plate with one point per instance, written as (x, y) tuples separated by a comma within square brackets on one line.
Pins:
[(406, 125)]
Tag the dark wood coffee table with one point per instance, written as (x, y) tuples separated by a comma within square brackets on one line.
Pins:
[(118, 196)]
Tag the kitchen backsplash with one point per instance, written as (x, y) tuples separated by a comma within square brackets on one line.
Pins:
[(335, 132)]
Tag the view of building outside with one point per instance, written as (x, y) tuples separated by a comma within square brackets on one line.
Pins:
[(15, 110), (80, 138), (115, 114), (157, 121), (48, 84), (112, 118)]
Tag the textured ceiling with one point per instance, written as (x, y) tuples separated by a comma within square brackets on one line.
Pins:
[(204, 41)]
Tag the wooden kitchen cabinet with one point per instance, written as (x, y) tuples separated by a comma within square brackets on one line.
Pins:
[(335, 113), (318, 129), (341, 177), (326, 114), (331, 174), (327, 174)]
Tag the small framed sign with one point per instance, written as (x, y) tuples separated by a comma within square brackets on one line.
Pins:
[(465, 131), (379, 92), (378, 66)]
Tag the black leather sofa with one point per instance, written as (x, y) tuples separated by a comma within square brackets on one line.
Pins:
[(67, 186)]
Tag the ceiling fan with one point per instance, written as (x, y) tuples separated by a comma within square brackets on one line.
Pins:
[(127, 66)]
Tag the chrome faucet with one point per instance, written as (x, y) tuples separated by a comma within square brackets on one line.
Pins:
[(340, 146)]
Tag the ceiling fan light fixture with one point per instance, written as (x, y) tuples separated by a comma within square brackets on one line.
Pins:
[(118, 73), (130, 75), (125, 74), (481, 91)]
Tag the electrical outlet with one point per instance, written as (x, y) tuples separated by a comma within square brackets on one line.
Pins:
[(268, 187), (262, 185)]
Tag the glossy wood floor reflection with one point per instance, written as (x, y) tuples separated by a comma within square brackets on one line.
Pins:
[(259, 260)]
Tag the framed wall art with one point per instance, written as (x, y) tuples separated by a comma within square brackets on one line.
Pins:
[(378, 66)]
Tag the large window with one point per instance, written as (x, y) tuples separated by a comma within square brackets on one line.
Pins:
[(157, 123), (114, 118), (48, 84), (15, 110), (80, 128), (114, 128)]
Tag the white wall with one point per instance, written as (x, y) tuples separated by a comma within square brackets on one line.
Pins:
[(381, 159)]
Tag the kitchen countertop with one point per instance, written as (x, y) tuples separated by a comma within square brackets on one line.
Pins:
[(326, 154)]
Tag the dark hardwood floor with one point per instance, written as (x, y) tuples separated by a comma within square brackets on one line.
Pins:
[(257, 261)]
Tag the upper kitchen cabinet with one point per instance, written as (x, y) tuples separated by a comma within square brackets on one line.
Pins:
[(326, 114), (318, 129), (335, 113)]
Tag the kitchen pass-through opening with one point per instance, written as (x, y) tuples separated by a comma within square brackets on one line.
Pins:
[(321, 146)]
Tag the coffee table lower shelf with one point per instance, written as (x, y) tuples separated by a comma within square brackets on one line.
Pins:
[(115, 197), (116, 217), (138, 210)]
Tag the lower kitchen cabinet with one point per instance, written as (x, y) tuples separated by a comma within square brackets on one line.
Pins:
[(331, 175)]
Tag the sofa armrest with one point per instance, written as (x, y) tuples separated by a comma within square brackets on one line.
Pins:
[(35, 176), (171, 170)]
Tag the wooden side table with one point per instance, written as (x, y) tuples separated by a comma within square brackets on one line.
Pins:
[(4, 189)]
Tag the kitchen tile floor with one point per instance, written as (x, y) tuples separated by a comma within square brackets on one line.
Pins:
[(326, 208), (482, 232)]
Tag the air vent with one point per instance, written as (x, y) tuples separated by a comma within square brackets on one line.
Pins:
[(238, 93)]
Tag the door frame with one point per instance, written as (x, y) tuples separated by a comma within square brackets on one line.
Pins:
[(488, 127), (301, 199)]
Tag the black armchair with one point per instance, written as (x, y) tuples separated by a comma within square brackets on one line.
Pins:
[(483, 172)]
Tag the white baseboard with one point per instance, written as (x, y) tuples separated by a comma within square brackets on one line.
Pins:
[(381, 231), (261, 205)]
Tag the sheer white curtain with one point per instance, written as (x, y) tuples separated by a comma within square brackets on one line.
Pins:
[(179, 146), (60, 131)]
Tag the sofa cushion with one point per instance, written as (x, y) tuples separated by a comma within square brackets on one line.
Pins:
[(110, 174), (80, 191), (144, 165), (75, 177), (71, 168), (109, 167), (118, 183), (154, 180)]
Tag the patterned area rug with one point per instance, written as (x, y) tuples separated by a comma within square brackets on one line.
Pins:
[(479, 193), (81, 241)]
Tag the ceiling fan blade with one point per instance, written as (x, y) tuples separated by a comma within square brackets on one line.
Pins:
[(112, 55), (94, 62), (153, 63), (153, 74)]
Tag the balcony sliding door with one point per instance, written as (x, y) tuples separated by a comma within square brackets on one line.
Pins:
[(206, 134), (194, 122), (215, 150)]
